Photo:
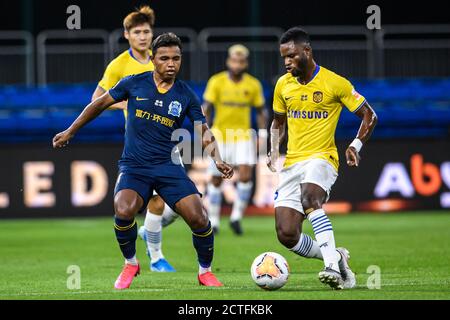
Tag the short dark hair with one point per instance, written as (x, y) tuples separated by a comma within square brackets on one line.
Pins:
[(168, 39), (144, 14), (296, 34)]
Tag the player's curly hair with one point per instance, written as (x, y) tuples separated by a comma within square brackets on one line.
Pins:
[(296, 34), (144, 14), (168, 39)]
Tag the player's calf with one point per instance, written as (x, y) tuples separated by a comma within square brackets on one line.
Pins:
[(192, 211), (287, 235), (126, 205)]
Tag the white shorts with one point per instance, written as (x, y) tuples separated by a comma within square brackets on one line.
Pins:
[(237, 153), (317, 171)]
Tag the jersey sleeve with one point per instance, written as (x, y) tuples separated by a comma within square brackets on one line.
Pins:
[(258, 101), (121, 90), (348, 96), (195, 112), (279, 104), (111, 77), (211, 91)]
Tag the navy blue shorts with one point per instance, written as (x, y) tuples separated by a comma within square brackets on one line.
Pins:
[(169, 181)]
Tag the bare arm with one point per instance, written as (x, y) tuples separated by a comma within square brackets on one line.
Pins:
[(90, 112), (368, 123), (277, 135), (207, 109), (210, 144), (99, 91), (261, 117)]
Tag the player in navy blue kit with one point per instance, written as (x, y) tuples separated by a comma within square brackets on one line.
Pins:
[(157, 105)]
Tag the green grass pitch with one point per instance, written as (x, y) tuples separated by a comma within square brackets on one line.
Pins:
[(411, 249)]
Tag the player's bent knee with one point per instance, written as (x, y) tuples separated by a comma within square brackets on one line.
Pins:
[(245, 174), (156, 205), (199, 221), (310, 203), (216, 181), (126, 207), (287, 236), (245, 179), (125, 212)]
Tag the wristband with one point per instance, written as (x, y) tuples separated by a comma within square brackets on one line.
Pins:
[(357, 144)]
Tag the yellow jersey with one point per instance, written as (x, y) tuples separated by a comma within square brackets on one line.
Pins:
[(232, 105), (312, 112), (122, 66)]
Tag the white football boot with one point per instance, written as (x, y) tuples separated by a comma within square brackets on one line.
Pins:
[(347, 273), (332, 278)]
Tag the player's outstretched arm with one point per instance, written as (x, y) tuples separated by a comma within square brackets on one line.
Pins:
[(277, 134), (207, 108), (369, 120), (209, 144), (90, 112), (99, 91)]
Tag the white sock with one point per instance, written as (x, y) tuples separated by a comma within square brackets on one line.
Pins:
[(153, 228), (202, 270), (307, 247), (244, 190), (215, 204), (168, 216), (132, 261), (325, 238)]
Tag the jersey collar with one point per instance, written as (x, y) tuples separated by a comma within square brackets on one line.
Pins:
[(316, 71), (132, 55)]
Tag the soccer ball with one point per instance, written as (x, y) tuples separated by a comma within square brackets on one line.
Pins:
[(270, 271)]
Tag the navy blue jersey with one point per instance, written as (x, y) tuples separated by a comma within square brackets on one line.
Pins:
[(152, 117)]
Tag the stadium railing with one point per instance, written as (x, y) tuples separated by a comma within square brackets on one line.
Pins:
[(75, 56), (16, 57), (414, 50), (354, 51), (265, 62)]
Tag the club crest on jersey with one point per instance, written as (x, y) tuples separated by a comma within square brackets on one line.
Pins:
[(175, 108), (317, 97)]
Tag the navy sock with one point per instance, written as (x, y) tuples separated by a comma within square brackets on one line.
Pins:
[(126, 234), (203, 240)]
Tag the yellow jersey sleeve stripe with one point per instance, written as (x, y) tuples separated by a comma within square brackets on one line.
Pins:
[(359, 107)]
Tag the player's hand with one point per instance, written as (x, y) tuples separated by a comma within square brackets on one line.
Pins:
[(62, 139), (352, 156), (272, 159), (226, 170)]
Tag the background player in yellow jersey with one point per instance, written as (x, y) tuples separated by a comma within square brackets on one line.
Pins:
[(310, 99), (233, 93), (138, 31)]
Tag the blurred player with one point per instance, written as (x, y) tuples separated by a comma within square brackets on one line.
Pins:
[(157, 105), (138, 31), (232, 93), (310, 99)]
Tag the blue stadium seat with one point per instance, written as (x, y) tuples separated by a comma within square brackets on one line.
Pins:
[(405, 108)]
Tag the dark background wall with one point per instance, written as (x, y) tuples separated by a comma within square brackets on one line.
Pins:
[(197, 14)]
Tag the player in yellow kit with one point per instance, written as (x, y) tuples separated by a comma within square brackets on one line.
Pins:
[(232, 94), (310, 99), (139, 33)]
